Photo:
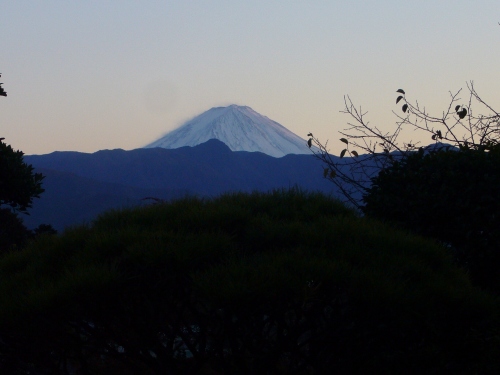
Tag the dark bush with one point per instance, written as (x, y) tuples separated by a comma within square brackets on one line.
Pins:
[(12, 231), (19, 184), (450, 195), (280, 283)]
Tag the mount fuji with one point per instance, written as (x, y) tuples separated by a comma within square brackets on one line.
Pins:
[(240, 128), (225, 149)]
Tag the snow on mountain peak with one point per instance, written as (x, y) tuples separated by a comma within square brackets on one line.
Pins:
[(240, 128)]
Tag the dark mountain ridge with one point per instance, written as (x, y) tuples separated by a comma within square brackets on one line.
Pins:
[(81, 185)]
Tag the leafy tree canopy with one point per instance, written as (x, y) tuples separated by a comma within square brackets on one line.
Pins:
[(449, 190), (279, 283), (18, 183), (2, 91), (18, 186), (450, 195)]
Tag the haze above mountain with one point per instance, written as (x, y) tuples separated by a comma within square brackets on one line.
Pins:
[(240, 128)]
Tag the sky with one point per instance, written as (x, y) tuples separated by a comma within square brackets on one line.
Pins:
[(105, 74)]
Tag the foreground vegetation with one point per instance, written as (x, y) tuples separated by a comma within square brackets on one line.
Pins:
[(451, 195), (278, 283)]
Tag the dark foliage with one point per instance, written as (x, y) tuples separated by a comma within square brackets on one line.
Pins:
[(2, 91), (452, 196), (12, 230), (14, 234), (475, 125), (18, 186), (18, 183), (280, 283)]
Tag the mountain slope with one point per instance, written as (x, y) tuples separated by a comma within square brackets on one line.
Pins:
[(240, 128), (92, 183), (71, 199)]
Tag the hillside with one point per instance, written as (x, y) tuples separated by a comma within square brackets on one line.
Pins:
[(80, 185)]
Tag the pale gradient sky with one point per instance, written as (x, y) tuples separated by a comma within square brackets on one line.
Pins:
[(103, 74)]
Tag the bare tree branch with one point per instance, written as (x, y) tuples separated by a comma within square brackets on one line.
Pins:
[(369, 150)]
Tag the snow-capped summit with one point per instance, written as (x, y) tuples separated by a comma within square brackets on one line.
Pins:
[(240, 128)]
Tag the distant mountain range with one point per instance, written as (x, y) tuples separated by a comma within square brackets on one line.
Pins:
[(225, 149), (240, 128), (78, 186)]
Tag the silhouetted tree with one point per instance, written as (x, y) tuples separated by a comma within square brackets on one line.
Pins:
[(19, 184), (2, 91), (12, 230), (368, 149), (450, 195), (280, 283), (449, 190)]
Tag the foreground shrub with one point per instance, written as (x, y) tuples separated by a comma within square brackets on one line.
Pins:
[(452, 196), (277, 283)]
